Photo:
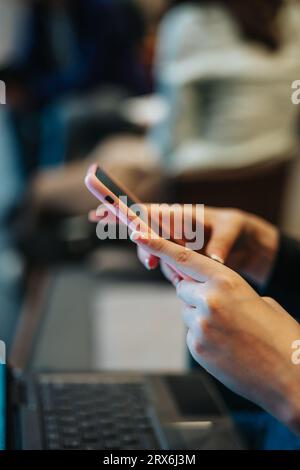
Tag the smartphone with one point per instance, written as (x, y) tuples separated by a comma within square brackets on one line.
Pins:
[(117, 199)]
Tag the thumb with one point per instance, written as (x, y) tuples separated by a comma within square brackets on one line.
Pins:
[(275, 305)]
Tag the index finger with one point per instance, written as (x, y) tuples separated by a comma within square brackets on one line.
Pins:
[(189, 262), (102, 214)]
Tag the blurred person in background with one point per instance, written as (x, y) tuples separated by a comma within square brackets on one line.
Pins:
[(69, 52), (224, 69), (74, 61), (57, 58), (227, 76), (125, 37)]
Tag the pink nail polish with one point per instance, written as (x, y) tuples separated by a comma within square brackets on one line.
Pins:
[(139, 237), (135, 236), (147, 264), (217, 258)]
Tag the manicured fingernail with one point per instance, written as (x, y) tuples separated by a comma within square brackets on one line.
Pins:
[(134, 236), (176, 280), (147, 264), (138, 237), (151, 264), (217, 258)]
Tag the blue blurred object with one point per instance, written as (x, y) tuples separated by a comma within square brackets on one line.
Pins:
[(11, 189), (2, 397), (79, 46), (2, 406), (11, 178), (263, 432), (70, 51)]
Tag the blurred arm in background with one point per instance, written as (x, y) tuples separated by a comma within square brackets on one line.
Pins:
[(224, 110), (63, 188), (127, 156)]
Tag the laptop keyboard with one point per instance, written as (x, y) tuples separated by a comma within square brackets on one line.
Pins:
[(96, 416)]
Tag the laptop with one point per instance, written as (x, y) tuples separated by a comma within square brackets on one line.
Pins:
[(105, 410)]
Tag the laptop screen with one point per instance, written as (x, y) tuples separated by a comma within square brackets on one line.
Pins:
[(2, 397)]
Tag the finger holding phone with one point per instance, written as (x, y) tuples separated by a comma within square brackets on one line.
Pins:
[(239, 337), (244, 242)]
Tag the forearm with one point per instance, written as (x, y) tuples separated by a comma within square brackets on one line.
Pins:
[(62, 189)]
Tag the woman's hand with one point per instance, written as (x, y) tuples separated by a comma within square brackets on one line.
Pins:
[(245, 242), (242, 339)]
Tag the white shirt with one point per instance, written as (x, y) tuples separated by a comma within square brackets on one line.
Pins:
[(229, 99)]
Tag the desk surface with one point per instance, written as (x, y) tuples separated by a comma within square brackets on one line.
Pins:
[(81, 320)]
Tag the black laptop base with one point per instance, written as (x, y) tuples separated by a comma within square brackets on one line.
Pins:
[(120, 411)]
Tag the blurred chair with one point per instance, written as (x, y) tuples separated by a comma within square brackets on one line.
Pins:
[(259, 189)]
